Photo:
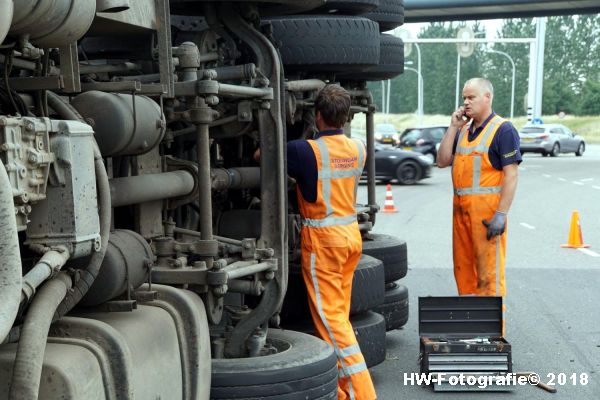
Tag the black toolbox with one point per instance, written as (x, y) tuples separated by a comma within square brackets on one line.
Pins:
[(461, 341)]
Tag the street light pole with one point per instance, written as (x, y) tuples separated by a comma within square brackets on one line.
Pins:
[(457, 81), (512, 93), (419, 94), (420, 85)]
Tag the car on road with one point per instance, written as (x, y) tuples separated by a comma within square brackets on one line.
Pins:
[(423, 140), (386, 134), (407, 167), (550, 139)]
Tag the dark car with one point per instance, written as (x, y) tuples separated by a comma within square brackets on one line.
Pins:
[(408, 167), (386, 134), (423, 140)]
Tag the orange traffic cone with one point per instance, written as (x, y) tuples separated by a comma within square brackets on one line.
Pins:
[(575, 236), (389, 201)]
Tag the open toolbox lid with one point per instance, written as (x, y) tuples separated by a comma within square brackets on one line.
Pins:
[(460, 317)]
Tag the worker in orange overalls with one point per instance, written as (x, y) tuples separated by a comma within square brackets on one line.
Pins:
[(483, 150), (327, 171)]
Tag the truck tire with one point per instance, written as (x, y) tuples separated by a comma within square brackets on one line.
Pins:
[(369, 328), (368, 285), (391, 251), (326, 43), (391, 61), (265, 7), (347, 7), (395, 307), (368, 290), (389, 14), (304, 367)]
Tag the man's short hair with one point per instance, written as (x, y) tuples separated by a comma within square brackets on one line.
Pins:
[(484, 85), (333, 102)]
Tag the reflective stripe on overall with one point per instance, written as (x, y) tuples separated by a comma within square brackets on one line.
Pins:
[(478, 262), (331, 249)]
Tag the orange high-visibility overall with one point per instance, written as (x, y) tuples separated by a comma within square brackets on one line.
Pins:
[(478, 262), (331, 249)]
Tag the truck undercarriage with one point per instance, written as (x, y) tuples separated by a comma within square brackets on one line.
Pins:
[(139, 236)]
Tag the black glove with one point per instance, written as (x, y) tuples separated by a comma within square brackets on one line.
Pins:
[(496, 226)]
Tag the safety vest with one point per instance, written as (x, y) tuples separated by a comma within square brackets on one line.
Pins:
[(340, 162), (472, 170)]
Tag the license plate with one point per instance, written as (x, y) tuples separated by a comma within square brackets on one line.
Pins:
[(387, 140), (407, 148), (527, 140)]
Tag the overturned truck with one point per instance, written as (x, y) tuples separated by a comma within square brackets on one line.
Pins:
[(144, 253)]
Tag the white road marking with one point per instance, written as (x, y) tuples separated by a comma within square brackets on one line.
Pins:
[(562, 179), (589, 252), (577, 183), (547, 176), (587, 179), (596, 187), (527, 225)]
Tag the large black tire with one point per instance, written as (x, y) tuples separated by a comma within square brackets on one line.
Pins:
[(266, 7), (369, 328), (368, 290), (347, 7), (326, 43), (395, 307), (304, 368), (368, 285), (391, 61), (389, 14), (580, 149), (391, 251)]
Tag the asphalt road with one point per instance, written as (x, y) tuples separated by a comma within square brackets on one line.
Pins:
[(553, 294)]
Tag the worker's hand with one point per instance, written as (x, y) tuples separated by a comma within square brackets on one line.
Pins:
[(256, 155), (459, 118), (496, 226)]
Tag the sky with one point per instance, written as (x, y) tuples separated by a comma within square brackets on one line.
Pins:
[(491, 26)]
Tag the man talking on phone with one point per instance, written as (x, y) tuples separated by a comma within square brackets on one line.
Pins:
[(483, 150)]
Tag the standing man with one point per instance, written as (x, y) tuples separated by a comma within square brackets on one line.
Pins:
[(483, 150), (327, 171)]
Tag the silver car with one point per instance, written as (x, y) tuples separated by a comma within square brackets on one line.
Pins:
[(551, 139)]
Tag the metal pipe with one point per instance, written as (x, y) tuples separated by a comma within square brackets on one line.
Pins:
[(304, 85), (253, 288), (147, 78), (371, 157), (234, 72), (121, 67), (197, 234), (51, 262), (236, 178), (240, 269), (10, 268), (143, 188), (244, 91), (27, 368), (204, 182)]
